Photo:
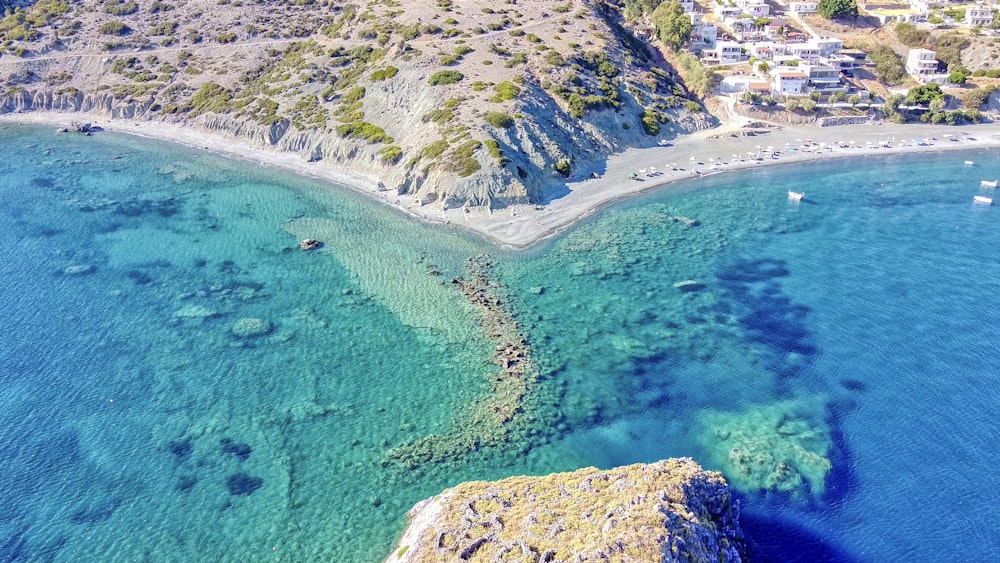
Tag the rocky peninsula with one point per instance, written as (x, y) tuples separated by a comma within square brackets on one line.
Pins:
[(671, 510)]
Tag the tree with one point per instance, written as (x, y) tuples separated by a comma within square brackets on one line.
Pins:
[(957, 77), (830, 9), (854, 100), (937, 104), (924, 94), (763, 67), (673, 26)]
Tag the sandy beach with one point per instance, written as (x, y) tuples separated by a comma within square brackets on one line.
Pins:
[(706, 153)]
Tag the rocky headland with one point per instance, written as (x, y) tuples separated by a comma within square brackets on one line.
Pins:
[(671, 510)]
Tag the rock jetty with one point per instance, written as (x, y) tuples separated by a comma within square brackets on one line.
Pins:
[(671, 510), (494, 419)]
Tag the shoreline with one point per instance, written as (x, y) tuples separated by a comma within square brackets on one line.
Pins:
[(706, 153)]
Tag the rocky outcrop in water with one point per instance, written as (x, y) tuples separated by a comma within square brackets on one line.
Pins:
[(498, 417), (671, 510)]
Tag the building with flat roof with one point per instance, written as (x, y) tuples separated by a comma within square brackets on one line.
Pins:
[(978, 15)]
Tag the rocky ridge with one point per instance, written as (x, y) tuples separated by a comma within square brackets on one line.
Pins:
[(671, 510), (475, 105)]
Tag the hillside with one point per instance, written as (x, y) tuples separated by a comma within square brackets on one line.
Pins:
[(457, 104)]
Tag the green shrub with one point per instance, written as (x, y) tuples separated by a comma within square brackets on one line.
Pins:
[(120, 7), (496, 152), (114, 28), (227, 37), (365, 131), (163, 28), (505, 91), (499, 120), (434, 149), (564, 166), (353, 95), (445, 77), (464, 164), (391, 154), (909, 35), (384, 73), (479, 86), (651, 121), (211, 97)]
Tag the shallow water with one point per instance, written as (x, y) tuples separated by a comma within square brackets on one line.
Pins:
[(835, 357)]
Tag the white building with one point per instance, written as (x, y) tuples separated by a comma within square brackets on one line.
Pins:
[(703, 35), (828, 45), (803, 7), (823, 78), (922, 64), (687, 5), (789, 81), (805, 51), (729, 52), (978, 15)]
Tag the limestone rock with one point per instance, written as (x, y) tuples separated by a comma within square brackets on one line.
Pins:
[(79, 270), (671, 510), (687, 286), (251, 327), (195, 312)]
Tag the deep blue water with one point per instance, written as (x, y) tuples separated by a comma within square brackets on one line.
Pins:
[(835, 358)]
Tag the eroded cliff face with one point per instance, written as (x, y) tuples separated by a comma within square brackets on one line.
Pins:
[(671, 510), (487, 106)]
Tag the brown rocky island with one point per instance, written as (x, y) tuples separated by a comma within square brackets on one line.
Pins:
[(671, 510)]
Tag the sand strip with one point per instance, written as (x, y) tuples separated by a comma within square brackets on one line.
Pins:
[(699, 155)]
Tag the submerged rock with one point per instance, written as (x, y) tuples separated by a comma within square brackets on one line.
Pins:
[(79, 270), (671, 510), (689, 286), (195, 312), (251, 327), (782, 447)]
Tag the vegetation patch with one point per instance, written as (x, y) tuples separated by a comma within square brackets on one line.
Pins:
[(211, 97), (499, 120), (384, 73), (114, 28), (505, 91), (445, 77), (391, 154), (496, 152), (362, 130)]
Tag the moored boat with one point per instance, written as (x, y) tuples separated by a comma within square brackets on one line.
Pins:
[(988, 183), (796, 196), (983, 199)]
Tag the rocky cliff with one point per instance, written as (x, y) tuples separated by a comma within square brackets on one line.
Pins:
[(671, 510)]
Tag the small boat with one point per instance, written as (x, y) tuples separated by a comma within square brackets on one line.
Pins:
[(796, 196), (983, 199), (988, 183), (969, 163), (309, 244)]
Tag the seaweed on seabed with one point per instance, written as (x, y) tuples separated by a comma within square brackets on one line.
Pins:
[(241, 451), (243, 484)]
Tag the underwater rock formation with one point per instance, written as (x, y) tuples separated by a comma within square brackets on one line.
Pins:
[(783, 447), (251, 327), (671, 510), (498, 417)]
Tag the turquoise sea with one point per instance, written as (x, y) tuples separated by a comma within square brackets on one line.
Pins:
[(179, 382)]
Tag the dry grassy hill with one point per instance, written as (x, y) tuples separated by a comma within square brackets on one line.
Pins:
[(458, 103)]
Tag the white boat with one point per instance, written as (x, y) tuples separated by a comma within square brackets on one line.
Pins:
[(969, 163), (988, 183), (796, 196), (983, 199)]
